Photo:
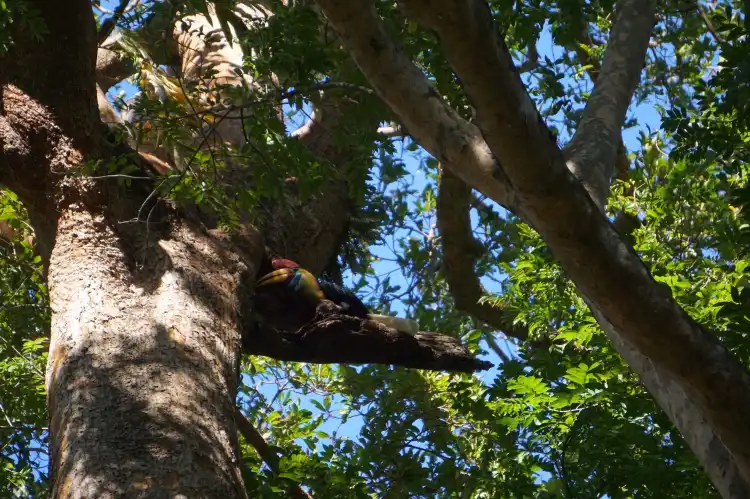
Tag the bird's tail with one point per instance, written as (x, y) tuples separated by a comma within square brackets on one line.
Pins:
[(403, 325)]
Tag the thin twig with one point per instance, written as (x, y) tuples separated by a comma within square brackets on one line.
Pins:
[(490, 339), (269, 457), (708, 23), (109, 25)]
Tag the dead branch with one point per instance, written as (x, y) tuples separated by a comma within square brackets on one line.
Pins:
[(393, 130), (707, 22), (109, 25), (532, 59), (333, 337), (490, 339)]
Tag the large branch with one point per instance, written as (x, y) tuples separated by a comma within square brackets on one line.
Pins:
[(435, 125), (453, 220), (112, 65), (686, 416), (311, 233), (336, 338), (591, 152), (604, 269), (453, 204)]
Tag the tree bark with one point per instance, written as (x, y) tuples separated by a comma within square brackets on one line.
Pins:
[(711, 453)]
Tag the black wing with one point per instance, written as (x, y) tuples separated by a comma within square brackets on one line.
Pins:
[(344, 299)]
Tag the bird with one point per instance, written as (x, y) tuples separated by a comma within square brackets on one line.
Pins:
[(287, 297)]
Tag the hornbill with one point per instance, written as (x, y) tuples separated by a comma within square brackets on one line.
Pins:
[(286, 299)]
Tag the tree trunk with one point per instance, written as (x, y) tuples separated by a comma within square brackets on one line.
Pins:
[(144, 341), (141, 373)]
